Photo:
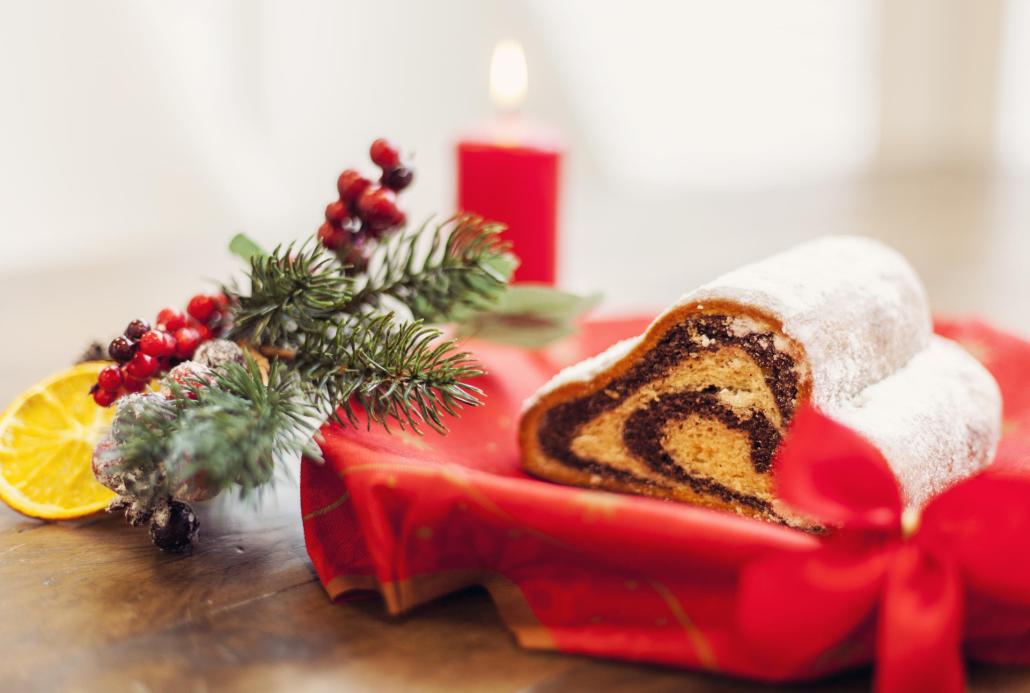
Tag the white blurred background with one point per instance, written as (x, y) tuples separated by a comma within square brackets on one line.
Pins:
[(137, 136)]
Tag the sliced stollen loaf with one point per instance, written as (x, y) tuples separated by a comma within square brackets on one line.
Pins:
[(694, 408)]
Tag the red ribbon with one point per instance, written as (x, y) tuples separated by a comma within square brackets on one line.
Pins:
[(908, 581)]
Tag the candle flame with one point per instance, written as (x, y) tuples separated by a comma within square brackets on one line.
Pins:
[(508, 75)]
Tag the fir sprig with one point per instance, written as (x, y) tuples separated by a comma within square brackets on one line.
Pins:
[(234, 432), (350, 353), (464, 269), (292, 289), (347, 335), (239, 431), (392, 370)]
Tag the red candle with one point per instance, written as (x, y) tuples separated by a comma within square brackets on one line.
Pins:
[(508, 172)]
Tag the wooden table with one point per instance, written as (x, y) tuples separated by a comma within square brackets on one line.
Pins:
[(92, 605)]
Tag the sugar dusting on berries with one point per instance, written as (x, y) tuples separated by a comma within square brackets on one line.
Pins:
[(144, 350)]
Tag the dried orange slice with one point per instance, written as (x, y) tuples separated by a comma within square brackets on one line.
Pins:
[(47, 437)]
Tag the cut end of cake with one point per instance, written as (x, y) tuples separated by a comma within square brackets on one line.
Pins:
[(693, 412)]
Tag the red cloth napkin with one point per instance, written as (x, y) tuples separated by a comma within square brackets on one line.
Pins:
[(587, 571)]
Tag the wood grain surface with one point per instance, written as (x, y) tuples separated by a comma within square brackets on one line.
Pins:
[(93, 606)]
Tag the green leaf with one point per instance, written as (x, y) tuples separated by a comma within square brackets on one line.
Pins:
[(245, 248), (502, 266), (529, 316)]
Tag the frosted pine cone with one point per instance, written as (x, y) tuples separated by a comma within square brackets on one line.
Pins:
[(108, 470), (218, 352), (185, 375)]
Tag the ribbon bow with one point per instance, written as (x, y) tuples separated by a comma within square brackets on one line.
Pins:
[(920, 586)]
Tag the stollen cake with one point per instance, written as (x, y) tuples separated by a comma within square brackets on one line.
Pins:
[(695, 408)]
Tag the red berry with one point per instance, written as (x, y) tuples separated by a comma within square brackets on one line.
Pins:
[(378, 208), (355, 256), (136, 329), (203, 330), (134, 385), (157, 343), (351, 184), (397, 179), (104, 398), (384, 154), (142, 366), (110, 378), (201, 307), (171, 319), (222, 301), (336, 213), (325, 233), (187, 339), (121, 349), (331, 237), (172, 345)]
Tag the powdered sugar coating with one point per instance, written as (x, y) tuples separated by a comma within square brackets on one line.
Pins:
[(861, 314), (855, 305), (936, 420), (585, 370)]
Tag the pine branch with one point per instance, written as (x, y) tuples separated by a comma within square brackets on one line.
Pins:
[(342, 342), (348, 351), (234, 432), (290, 291), (239, 430), (465, 269), (392, 371)]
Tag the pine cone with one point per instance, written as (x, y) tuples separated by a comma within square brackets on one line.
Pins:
[(218, 352)]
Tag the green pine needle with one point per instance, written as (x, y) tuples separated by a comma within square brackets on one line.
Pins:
[(339, 334), (291, 290), (441, 274), (239, 431), (400, 371)]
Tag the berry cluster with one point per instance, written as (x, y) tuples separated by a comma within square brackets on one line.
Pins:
[(365, 211), (143, 352)]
